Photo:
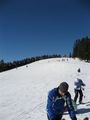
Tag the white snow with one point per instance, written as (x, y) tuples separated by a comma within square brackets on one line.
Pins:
[(23, 91)]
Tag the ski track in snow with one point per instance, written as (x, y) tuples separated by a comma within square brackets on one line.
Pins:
[(23, 91)]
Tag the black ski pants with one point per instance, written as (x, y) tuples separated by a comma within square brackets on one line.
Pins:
[(80, 94)]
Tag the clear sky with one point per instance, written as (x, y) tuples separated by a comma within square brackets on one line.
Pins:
[(36, 27)]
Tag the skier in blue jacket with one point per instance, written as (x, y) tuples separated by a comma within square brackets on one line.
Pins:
[(78, 90), (56, 101)]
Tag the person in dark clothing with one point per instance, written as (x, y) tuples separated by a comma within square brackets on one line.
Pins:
[(57, 98), (79, 70), (78, 90)]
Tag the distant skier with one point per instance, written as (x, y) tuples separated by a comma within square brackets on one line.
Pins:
[(78, 70), (57, 98), (78, 90)]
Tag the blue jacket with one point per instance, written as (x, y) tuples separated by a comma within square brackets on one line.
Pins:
[(55, 104), (78, 84)]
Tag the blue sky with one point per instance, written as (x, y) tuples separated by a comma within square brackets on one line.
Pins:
[(36, 27)]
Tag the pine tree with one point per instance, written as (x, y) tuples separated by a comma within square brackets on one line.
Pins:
[(81, 49)]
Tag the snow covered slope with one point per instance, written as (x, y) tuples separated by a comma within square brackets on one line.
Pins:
[(23, 91)]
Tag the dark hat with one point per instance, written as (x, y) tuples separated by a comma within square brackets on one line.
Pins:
[(63, 87)]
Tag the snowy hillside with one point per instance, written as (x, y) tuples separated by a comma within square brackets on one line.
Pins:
[(23, 91)]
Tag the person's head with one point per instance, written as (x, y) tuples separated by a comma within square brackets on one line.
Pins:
[(63, 88)]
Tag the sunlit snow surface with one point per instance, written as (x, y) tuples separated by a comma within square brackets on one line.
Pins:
[(23, 91)]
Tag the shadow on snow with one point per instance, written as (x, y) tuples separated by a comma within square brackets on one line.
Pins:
[(83, 110)]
